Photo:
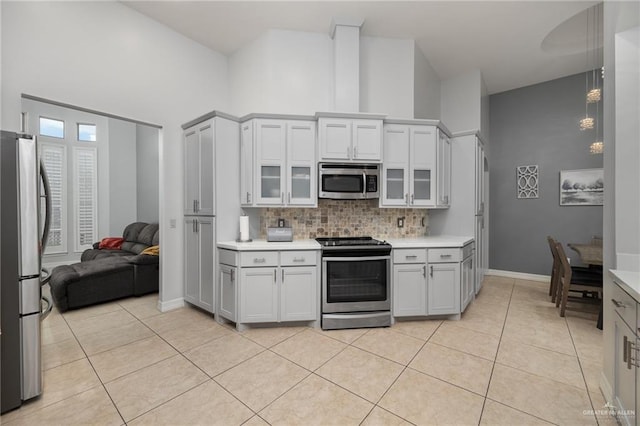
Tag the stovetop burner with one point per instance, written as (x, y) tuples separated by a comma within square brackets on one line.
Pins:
[(350, 241)]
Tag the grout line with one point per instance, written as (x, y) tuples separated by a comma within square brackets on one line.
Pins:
[(94, 370), (493, 367)]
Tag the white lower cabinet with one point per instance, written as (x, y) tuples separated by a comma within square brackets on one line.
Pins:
[(258, 295), (467, 280), (275, 292), (199, 249), (443, 289), (409, 288), (432, 281), (627, 354), (227, 292)]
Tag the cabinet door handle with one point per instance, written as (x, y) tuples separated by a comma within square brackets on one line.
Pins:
[(413, 256), (259, 260), (194, 206), (247, 196), (412, 196), (431, 271), (282, 197), (624, 349), (406, 197), (197, 205), (288, 197), (355, 152), (445, 256), (233, 275), (282, 275), (275, 277), (424, 271), (298, 259), (618, 303)]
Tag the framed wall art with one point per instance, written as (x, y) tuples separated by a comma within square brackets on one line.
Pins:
[(527, 181), (582, 187)]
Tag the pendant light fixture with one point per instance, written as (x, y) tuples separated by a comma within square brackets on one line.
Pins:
[(587, 123)]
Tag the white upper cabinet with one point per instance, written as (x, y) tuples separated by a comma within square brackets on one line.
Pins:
[(199, 172), (270, 146), (444, 170), (301, 163), (246, 164), (350, 140), (278, 163), (409, 168), (395, 169)]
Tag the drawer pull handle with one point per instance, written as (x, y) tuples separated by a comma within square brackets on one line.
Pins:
[(298, 259), (259, 260), (618, 303), (445, 256), (413, 256)]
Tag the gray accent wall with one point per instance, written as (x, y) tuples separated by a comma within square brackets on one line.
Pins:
[(147, 156), (538, 125)]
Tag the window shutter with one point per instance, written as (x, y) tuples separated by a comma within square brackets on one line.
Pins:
[(54, 159), (86, 196)]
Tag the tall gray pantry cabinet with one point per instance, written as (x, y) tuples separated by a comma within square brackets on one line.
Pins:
[(211, 205)]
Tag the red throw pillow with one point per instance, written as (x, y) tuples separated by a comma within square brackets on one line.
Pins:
[(111, 243)]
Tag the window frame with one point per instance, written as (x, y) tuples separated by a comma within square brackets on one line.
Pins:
[(78, 124), (64, 127)]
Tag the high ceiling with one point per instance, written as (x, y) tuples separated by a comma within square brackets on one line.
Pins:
[(513, 43)]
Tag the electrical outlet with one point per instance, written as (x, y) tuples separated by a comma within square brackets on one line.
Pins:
[(280, 223), (172, 223), (400, 222)]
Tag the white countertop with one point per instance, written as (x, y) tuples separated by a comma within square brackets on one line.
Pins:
[(420, 242), (430, 241), (267, 245), (629, 281)]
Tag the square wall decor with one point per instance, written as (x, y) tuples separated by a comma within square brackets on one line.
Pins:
[(527, 178)]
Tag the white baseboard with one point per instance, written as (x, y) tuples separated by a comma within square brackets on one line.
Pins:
[(170, 304), (605, 388), (518, 275)]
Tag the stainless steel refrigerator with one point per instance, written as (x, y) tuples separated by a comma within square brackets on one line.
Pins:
[(23, 188)]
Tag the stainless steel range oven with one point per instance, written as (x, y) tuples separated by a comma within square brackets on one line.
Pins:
[(356, 277)]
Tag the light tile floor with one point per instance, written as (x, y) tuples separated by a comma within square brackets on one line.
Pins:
[(510, 360)]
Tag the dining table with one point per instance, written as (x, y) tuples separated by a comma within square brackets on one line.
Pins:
[(591, 255)]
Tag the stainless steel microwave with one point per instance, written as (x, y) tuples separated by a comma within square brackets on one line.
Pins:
[(348, 181)]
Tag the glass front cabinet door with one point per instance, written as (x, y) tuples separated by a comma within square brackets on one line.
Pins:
[(408, 173), (270, 155)]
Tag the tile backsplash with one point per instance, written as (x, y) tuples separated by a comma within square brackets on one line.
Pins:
[(347, 218)]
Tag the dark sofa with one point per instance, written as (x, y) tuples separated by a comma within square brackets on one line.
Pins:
[(106, 274)]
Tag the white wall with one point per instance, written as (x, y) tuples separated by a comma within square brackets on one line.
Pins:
[(484, 113), (287, 72), (460, 107), (107, 57), (147, 162), (122, 204), (386, 76), (292, 72), (426, 97)]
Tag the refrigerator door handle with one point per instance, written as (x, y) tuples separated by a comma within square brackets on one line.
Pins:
[(47, 207)]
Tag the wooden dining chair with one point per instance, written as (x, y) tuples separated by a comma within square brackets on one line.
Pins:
[(570, 281), (553, 284)]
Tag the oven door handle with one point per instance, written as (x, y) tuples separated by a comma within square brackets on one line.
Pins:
[(352, 259)]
